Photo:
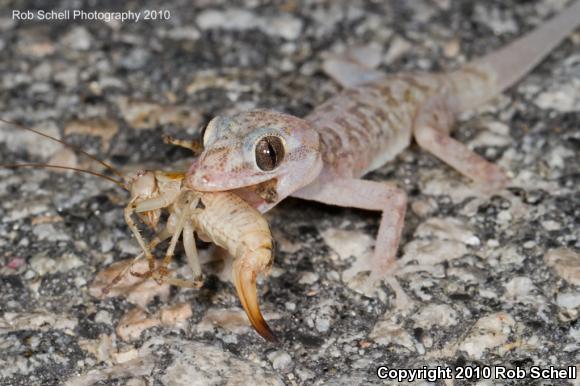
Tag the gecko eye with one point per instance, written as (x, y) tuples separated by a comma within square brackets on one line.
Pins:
[(269, 152)]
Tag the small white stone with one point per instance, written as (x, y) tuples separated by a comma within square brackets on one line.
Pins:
[(568, 299), (200, 364), (435, 315), (431, 252), (499, 22), (347, 243), (103, 317), (23, 140), (489, 332), (566, 262), (43, 265), (280, 360), (447, 229), (488, 138), (285, 26), (575, 334), (389, 332), (564, 97), (308, 278), (322, 324), (551, 225), (510, 255), (78, 38), (520, 288), (424, 207), (504, 216), (304, 374), (48, 232), (398, 48)]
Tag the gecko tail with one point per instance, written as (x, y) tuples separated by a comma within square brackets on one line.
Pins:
[(506, 66), (516, 59)]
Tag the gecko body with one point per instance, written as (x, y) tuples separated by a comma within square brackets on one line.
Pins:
[(322, 156)]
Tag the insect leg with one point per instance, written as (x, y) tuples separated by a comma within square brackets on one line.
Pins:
[(160, 275), (191, 254), (159, 238), (129, 210), (195, 146)]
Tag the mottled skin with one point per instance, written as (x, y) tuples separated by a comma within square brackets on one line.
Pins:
[(361, 129)]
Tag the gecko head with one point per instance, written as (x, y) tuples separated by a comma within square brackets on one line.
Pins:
[(257, 148)]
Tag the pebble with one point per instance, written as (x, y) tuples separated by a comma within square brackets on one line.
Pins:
[(175, 315), (199, 364), (40, 320), (133, 323), (149, 115), (48, 232), (321, 316), (435, 315), (489, 138), (64, 157), (136, 290), (388, 332), (18, 139), (452, 48), (424, 207), (398, 48), (280, 360), (104, 317), (568, 299), (511, 256), (520, 289), (432, 252), (103, 128), (566, 263), (284, 26), (498, 22), (347, 243), (551, 225), (488, 333), (308, 278), (447, 229), (43, 265), (78, 38), (563, 97)]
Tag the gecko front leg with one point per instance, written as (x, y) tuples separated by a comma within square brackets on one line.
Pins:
[(369, 195)]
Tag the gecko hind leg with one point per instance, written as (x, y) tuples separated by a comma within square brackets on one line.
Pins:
[(368, 272), (432, 129)]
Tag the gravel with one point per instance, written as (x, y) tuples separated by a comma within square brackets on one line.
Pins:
[(484, 281)]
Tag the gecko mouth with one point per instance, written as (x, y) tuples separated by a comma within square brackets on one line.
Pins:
[(259, 195)]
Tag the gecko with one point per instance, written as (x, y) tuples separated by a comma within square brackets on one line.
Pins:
[(323, 156)]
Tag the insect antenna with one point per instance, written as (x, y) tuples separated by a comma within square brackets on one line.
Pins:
[(75, 148), (40, 165)]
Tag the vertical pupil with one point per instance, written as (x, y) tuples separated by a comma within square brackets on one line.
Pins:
[(271, 152)]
